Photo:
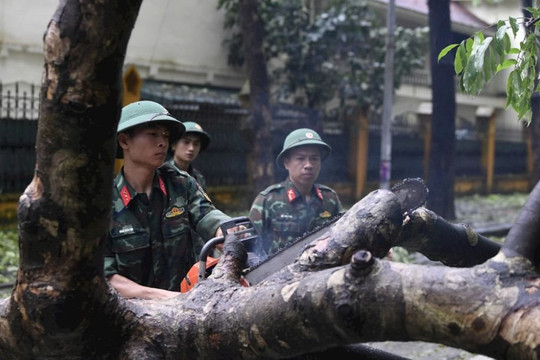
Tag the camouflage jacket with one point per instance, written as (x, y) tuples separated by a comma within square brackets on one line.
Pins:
[(195, 173), (198, 241), (159, 257), (280, 213)]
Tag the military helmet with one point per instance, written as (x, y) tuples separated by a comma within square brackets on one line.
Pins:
[(193, 127), (302, 137), (144, 113)]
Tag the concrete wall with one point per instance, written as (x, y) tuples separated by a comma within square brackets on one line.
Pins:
[(172, 40)]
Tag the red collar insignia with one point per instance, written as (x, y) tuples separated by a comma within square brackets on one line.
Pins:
[(162, 186), (319, 193), (124, 194), (291, 194)]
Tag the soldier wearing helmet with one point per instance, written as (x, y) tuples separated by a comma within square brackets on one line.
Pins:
[(194, 141), (184, 152), (285, 211), (155, 208)]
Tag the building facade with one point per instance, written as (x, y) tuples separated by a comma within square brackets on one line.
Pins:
[(177, 51)]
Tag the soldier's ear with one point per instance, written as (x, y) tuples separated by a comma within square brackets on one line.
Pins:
[(122, 139), (286, 162)]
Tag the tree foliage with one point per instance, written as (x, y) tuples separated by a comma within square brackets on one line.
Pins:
[(480, 57), (338, 52)]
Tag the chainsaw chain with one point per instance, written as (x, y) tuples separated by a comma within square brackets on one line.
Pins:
[(281, 249)]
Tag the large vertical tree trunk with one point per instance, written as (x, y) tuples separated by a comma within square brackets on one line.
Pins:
[(441, 171), (63, 213), (533, 131), (259, 122)]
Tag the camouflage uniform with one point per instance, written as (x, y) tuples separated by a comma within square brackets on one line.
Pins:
[(157, 251), (194, 173), (198, 241), (280, 213)]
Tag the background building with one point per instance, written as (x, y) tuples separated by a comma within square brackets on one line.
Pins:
[(176, 56)]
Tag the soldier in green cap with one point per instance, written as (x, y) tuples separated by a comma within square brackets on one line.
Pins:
[(285, 211), (155, 208), (194, 141), (184, 152)]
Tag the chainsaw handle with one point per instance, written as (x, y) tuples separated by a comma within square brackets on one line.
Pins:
[(210, 244), (248, 236)]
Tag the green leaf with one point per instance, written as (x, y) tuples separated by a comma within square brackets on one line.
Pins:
[(458, 64), (469, 44), (507, 43), (506, 64), (478, 52), (446, 50), (514, 25)]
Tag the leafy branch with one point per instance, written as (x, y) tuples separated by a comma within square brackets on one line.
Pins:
[(479, 58)]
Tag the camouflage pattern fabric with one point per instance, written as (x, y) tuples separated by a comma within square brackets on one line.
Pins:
[(198, 242), (159, 255), (281, 214), (193, 172)]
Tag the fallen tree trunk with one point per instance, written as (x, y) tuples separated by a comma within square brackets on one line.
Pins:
[(337, 293)]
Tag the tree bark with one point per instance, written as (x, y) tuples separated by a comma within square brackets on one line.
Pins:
[(441, 171), (258, 125), (533, 130), (335, 294), (63, 213)]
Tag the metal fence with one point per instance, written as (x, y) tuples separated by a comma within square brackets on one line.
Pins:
[(19, 100), (19, 110), (224, 162)]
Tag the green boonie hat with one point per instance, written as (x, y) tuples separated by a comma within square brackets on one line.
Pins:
[(193, 127), (144, 113), (302, 137)]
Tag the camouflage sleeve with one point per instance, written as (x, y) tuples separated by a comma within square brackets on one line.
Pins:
[(333, 198), (109, 263), (200, 178), (203, 214), (110, 266), (256, 214)]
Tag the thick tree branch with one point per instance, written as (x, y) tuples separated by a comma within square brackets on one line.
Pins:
[(452, 244), (522, 240)]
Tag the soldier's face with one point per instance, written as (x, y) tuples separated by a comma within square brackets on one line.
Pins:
[(146, 146), (187, 148), (303, 164)]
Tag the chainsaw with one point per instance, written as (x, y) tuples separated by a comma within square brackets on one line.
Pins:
[(411, 194)]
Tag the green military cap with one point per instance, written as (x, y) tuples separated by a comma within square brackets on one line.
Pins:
[(144, 113), (193, 127), (302, 137)]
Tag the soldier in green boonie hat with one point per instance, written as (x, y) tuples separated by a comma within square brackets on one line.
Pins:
[(282, 212), (188, 147), (147, 114), (183, 153), (155, 208), (302, 137)]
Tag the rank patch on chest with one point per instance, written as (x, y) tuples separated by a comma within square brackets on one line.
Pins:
[(128, 229), (174, 212), (325, 214)]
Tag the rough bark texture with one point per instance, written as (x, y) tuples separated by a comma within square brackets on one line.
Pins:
[(337, 293), (533, 129), (63, 214), (441, 171)]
